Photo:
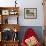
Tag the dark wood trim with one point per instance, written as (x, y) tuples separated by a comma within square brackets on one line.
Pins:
[(5, 8), (11, 26)]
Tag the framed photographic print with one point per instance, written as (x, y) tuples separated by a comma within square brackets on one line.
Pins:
[(30, 13), (5, 12)]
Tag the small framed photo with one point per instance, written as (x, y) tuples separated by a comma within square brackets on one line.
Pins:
[(30, 13), (5, 12)]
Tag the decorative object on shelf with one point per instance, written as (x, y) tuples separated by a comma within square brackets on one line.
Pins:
[(7, 34), (6, 21), (30, 13), (15, 37), (15, 3), (13, 12), (5, 12), (15, 34)]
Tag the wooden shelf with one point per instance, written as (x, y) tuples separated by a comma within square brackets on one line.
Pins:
[(11, 26), (9, 43), (3, 8), (6, 12)]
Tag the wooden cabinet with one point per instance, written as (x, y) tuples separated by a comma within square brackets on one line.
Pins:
[(10, 43), (5, 26)]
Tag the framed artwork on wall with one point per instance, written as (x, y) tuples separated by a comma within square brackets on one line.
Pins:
[(30, 13)]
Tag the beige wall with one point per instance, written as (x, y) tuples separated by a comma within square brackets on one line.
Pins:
[(44, 5), (26, 4)]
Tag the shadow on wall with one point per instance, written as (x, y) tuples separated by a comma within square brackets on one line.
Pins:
[(37, 29)]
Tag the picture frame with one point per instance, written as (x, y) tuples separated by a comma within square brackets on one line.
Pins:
[(5, 12), (30, 13)]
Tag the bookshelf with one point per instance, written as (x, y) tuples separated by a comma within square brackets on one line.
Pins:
[(5, 23)]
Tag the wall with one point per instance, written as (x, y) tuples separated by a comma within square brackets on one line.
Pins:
[(27, 4), (44, 13), (31, 4)]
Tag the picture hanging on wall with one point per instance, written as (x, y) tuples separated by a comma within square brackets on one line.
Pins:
[(30, 13)]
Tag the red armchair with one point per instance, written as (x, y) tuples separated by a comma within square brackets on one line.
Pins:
[(30, 34)]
